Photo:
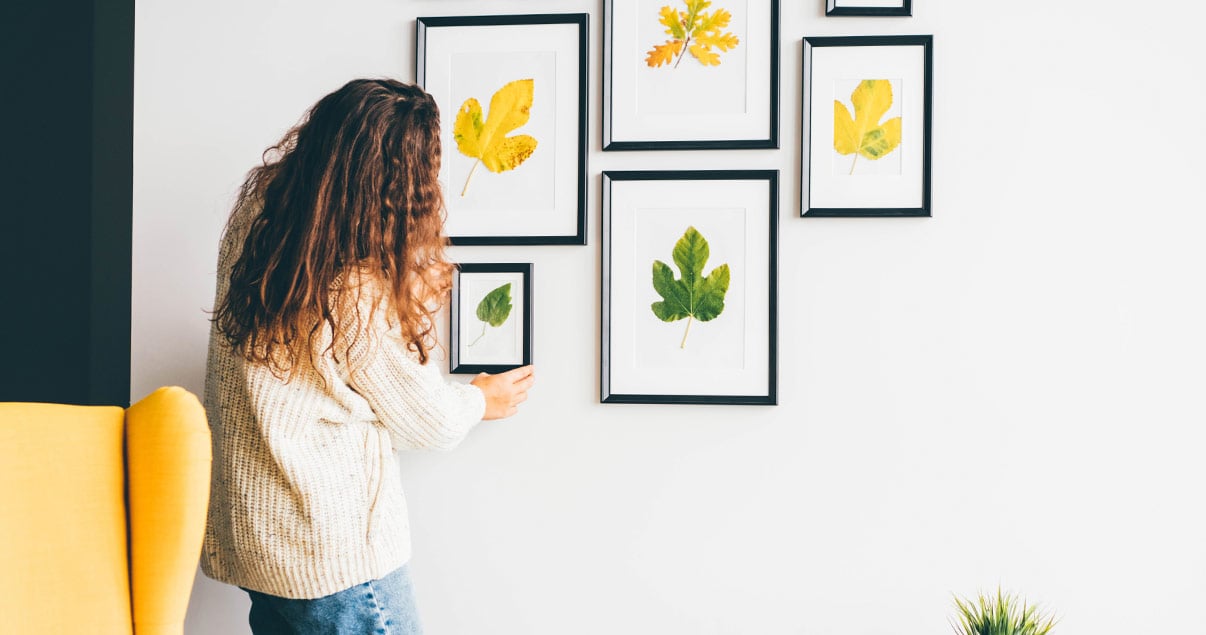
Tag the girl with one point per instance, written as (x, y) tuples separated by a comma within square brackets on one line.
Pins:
[(330, 269)]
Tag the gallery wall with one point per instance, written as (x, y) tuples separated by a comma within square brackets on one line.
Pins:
[(1005, 393)]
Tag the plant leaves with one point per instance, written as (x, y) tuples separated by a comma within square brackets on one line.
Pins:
[(664, 53), (1001, 615), (495, 308), (863, 133), (487, 140), (672, 20), (693, 30), (693, 295)]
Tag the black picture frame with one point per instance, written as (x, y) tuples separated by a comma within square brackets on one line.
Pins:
[(611, 144), (423, 29), (766, 397), (905, 10), (457, 363), (924, 209)]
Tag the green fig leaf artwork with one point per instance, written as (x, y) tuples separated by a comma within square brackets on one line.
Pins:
[(694, 296), (694, 31), (863, 135), (487, 140), (494, 309)]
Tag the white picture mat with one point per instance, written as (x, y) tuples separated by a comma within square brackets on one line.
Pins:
[(502, 344), (688, 85), (502, 204), (825, 68), (629, 47), (747, 303), (868, 3)]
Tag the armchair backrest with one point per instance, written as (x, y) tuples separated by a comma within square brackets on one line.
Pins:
[(65, 523)]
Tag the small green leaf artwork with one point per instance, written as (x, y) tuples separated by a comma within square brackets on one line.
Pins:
[(693, 296), (494, 309)]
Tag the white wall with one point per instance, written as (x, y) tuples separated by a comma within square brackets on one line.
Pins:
[(1009, 392)]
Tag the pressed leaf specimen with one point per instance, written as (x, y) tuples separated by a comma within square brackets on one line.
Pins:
[(693, 296), (863, 134), (487, 141), (494, 309), (1005, 614), (696, 31)]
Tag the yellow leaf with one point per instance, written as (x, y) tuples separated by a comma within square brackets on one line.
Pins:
[(722, 41), (872, 99), (487, 141), (673, 22), (664, 53), (692, 30), (882, 140), (720, 19), (695, 7), (704, 54), (863, 133), (845, 135), (511, 152)]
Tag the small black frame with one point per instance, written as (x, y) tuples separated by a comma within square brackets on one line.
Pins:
[(905, 10), (925, 41), (770, 398), (454, 310), (422, 25), (771, 141)]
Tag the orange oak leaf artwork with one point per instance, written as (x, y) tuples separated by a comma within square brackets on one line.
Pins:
[(693, 31)]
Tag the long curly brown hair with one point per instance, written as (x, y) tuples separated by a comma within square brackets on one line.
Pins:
[(349, 193)]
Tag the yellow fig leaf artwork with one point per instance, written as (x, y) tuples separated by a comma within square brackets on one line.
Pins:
[(487, 140), (863, 134), (694, 31)]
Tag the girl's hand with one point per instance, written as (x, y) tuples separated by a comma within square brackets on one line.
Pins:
[(505, 391)]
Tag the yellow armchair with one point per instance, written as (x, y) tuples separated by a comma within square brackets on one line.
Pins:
[(102, 514)]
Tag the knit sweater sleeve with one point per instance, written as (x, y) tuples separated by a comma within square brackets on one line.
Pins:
[(420, 408)]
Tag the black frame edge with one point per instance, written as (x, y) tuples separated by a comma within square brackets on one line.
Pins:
[(770, 143), (927, 44), (523, 268), (772, 178), (582, 20)]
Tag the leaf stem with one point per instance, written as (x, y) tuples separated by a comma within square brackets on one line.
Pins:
[(852, 164), (479, 337), (683, 53), (470, 177), (683, 344)]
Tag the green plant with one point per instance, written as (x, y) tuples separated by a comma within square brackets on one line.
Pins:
[(1005, 614)]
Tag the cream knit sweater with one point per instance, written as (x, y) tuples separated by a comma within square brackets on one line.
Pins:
[(306, 498)]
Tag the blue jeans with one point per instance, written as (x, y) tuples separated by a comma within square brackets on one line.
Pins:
[(377, 607)]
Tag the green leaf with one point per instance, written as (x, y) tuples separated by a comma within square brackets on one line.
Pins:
[(495, 308), (691, 296)]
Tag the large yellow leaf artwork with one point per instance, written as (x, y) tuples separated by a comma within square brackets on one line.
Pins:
[(863, 134), (487, 140), (693, 31)]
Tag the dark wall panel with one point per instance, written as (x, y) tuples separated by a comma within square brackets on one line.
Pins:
[(58, 303)]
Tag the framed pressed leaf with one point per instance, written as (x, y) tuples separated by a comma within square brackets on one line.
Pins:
[(689, 287), (512, 96), (491, 317), (866, 128), (869, 7), (690, 74)]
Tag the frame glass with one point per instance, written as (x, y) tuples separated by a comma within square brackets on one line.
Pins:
[(678, 76), (689, 289), (866, 126), (512, 97), (490, 316)]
